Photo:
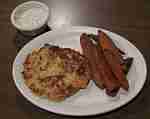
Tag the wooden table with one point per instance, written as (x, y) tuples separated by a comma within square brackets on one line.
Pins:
[(129, 18)]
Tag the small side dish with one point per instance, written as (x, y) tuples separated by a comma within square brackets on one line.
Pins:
[(30, 17)]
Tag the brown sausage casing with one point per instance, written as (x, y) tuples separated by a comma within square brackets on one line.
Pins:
[(102, 75), (113, 58)]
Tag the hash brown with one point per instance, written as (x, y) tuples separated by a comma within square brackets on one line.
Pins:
[(56, 72)]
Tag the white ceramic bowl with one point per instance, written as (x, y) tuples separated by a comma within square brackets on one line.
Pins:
[(19, 10)]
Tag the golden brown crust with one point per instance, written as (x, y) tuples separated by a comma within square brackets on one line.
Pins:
[(56, 72)]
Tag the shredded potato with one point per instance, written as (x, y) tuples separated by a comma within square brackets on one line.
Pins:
[(55, 72)]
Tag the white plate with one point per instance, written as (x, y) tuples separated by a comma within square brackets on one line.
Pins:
[(90, 101)]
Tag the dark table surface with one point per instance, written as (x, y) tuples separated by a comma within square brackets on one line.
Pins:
[(129, 18)]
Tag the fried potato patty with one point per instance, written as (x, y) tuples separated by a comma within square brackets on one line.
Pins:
[(56, 72)]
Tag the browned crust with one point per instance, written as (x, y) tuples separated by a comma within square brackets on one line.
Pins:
[(73, 61)]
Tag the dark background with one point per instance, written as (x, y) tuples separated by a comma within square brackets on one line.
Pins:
[(129, 18)]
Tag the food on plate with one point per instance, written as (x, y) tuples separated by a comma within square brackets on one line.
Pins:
[(108, 66), (102, 75), (61, 72), (113, 58), (108, 45), (56, 72), (89, 51)]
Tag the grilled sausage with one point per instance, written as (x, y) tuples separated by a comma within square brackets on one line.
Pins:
[(103, 77), (113, 58)]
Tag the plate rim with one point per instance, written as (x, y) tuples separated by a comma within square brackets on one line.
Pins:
[(79, 114)]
